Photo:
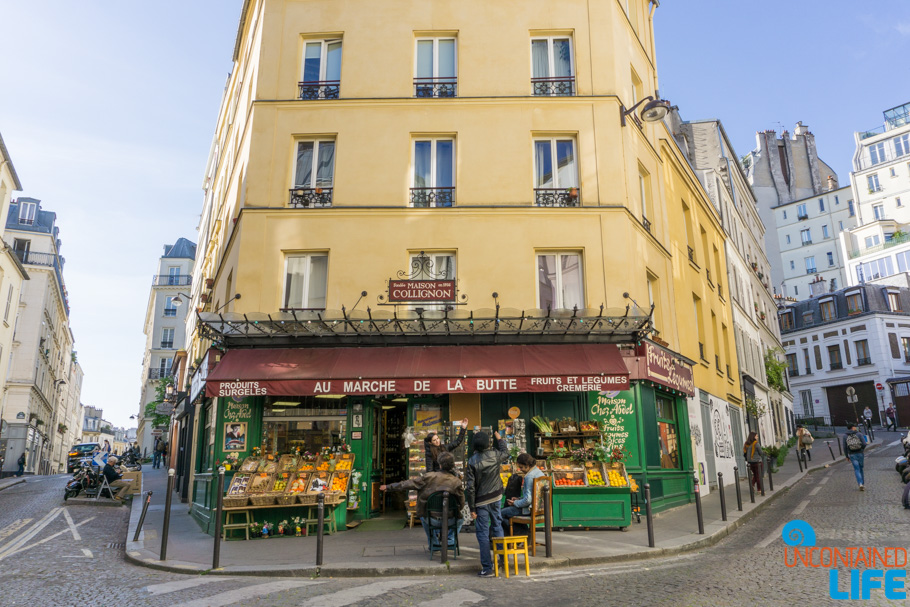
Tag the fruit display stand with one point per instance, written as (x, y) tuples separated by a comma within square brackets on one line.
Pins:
[(590, 495)]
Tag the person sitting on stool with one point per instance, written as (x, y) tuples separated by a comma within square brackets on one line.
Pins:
[(527, 465), (114, 478)]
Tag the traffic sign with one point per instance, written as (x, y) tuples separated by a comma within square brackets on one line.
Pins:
[(879, 387), (100, 459), (851, 391), (853, 399), (157, 432)]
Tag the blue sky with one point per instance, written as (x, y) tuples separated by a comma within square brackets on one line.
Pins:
[(108, 109)]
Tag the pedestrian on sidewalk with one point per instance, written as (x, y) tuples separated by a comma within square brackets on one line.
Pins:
[(804, 441), (157, 453), (889, 414), (21, 462), (854, 445), (432, 446), (755, 458), (483, 490), (867, 418)]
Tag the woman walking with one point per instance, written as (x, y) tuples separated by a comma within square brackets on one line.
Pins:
[(755, 457)]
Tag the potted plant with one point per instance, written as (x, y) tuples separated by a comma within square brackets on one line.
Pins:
[(209, 283), (573, 193), (255, 529)]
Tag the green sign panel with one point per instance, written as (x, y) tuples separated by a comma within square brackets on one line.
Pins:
[(615, 412)]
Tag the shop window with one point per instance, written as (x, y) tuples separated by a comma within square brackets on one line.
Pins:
[(560, 281), (668, 433), (308, 423), (305, 281)]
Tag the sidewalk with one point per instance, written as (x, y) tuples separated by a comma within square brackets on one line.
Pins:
[(357, 553), (9, 481)]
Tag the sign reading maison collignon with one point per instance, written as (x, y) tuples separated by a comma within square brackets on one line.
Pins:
[(421, 290)]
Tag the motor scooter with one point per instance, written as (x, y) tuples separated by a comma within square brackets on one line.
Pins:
[(85, 479)]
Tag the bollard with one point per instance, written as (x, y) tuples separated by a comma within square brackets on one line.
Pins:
[(648, 514), (444, 532), (833, 459), (701, 522), (320, 530), (799, 458), (839, 450), (739, 495), (751, 488), (770, 480), (145, 507), (723, 497), (547, 519), (219, 508), (167, 513)]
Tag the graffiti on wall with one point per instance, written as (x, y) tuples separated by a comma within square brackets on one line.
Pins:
[(720, 425)]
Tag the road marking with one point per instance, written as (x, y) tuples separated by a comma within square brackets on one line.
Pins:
[(156, 589), (20, 541), (776, 533), (824, 480), (349, 596), (816, 490), (802, 506), (72, 526), (244, 594), (611, 570), (897, 442), (47, 539), (88, 553), (14, 527), (454, 599)]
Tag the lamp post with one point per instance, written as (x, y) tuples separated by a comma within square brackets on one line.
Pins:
[(654, 111)]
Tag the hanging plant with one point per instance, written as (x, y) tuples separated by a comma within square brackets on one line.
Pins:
[(755, 408)]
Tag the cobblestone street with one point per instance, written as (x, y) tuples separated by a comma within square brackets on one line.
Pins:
[(73, 555)]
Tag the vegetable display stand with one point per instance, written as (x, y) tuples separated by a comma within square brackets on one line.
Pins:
[(591, 495)]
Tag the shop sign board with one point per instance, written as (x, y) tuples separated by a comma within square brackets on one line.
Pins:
[(436, 385), (615, 412), (197, 383), (164, 408), (413, 291), (666, 369)]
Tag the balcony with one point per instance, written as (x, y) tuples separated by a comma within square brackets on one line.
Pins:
[(836, 366), (306, 198), (807, 242), (167, 345), (557, 197), (170, 311), (432, 197), (35, 259), (691, 254), (895, 240), (550, 87), (435, 88), (322, 89), (178, 280), (860, 362), (811, 271), (793, 372), (802, 216), (159, 373)]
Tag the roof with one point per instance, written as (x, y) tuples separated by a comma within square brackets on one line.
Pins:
[(44, 220), (874, 301), (182, 249)]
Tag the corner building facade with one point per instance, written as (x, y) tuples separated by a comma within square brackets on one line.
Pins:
[(356, 146)]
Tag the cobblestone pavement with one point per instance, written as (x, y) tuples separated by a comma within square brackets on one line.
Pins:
[(54, 555)]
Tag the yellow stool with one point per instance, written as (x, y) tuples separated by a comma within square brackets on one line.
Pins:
[(327, 520), (236, 520), (504, 546)]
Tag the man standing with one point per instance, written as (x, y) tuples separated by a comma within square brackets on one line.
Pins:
[(21, 462), (156, 453), (483, 490), (854, 445), (889, 414)]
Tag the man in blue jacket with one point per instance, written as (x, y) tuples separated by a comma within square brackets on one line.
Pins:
[(516, 506), (483, 490), (854, 445)]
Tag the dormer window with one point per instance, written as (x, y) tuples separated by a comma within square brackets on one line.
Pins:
[(786, 320), (855, 302), (808, 317), (27, 211), (894, 300), (828, 309)]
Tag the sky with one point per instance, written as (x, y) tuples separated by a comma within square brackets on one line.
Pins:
[(108, 110)]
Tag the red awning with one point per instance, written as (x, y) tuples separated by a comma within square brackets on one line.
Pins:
[(418, 370)]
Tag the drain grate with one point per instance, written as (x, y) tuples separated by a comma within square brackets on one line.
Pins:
[(117, 546)]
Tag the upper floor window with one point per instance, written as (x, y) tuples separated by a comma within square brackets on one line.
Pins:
[(827, 310), (305, 281), (801, 212), (560, 281), (852, 209), (862, 352), (644, 189), (894, 301), (878, 211), (877, 153), (805, 236), (432, 266), (435, 72), (821, 204), (314, 174), (902, 144), (167, 338), (877, 268), (786, 320), (551, 66), (434, 173), (169, 308), (555, 173), (27, 211), (810, 265), (321, 70), (9, 303), (830, 258), (854, 302), (825, 231), (872, 181), (872, 241)]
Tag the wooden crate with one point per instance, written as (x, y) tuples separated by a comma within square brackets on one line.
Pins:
[(287, 463), (250, 464), (239, 484)]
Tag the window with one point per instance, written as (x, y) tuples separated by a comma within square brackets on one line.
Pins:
[(806, 361), (862, 353), (872, 241), (801, 212), (805, 397), (169, 308), (792, 265), (792, 365), (821, 204), (788, 239), (27, 211), (894, 301), (434, 173), (555, 173), (877, 153), (435, 74), (637, 89), (21, 247), (164, 367), (825, 231), (305, 281), (167, 338), (836, 201), (902, 144), (878, 211), (785, 214), (810, 265), (668, 433), (852, 209), (828, 310), (878, 268), (314, 174), (834, 357), (897, 201), (560, 281), (644, 192), (432, 266), (173, 275), (653, 296), (905, 346), (872, 181), (854, 302), (9, 303), (830, 258), (786, 320), (321, 70), (840, 226), (805, 236), (892, 172), (551, 66)]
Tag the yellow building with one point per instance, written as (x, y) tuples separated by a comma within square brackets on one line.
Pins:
[(487, 146)]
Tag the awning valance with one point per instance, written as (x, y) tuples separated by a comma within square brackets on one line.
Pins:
[(418, 370)]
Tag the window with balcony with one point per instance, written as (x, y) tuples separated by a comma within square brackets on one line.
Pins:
[(551, 66), (555, 173), (828, 310), (167, 338), (27, 212), (173, 275), (164, 367), (169, 308), (560, 281), (810, 265), (801, 212), (314, 174), (305, 281), (805, 236), (877, 153), (872, 182), (902, 145), (435, 72), (321, 78), (862, 353), (433, 183), (878, 211)]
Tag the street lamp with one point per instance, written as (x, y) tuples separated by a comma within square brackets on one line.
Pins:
[(178, 301), (654, 111)]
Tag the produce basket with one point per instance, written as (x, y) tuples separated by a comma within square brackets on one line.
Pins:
[(287, 463), (263, 499), (307, 499), (589, 426), (250, 464), (285, 499), (320, 481), (345, 462), (260, 483), (561, 464), (333, 499), (326, 464), (615, 474), (567, 426), (282, 481), (300, 483), (569, 479), (239, 484), (308, 464), (340, 482), (236, 501)]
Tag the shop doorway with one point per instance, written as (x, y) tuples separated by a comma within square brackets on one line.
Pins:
[(392, 452)]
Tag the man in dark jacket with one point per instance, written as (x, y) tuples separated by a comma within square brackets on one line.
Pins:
[(114, 478), (854, 445), (427, 485), (483, 489)]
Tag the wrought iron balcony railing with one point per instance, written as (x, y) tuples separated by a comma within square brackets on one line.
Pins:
[(558, 87), (557, 197), (311, 197), (170, 311), (165, 280), (807, 242), (701, 351), (167, 345), (835, 366), (159, 373), (36, 259), (691, 254), (319, 89), (793, 372), (435, 87), (432, 197), (863, 361)]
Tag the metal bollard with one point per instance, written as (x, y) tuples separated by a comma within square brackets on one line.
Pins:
[(145, 507), (320, 530), (723, 497), (833, 459), (648, 514), (547, 519), (840, 451), (167, 513), (444, 532), (799, 458), (751, 488), (739, 495), (770, 480), (219, 513), (698, 513)]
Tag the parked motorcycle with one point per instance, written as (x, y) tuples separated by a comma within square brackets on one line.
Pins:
[(130, 462), (84, 479)]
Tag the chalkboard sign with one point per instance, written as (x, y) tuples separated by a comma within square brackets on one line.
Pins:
[(615, 411)]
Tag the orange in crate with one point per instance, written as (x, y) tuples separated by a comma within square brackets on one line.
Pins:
[(339, 483)]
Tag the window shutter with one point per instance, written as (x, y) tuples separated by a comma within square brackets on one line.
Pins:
[(895, 348), (818, 357)]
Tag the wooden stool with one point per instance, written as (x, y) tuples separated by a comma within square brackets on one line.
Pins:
[(231, 522), (412, 517), (504, 546), (327, 520)]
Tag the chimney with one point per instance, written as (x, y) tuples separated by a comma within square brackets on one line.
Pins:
[(817, 287), (800, 129), (832, 182)]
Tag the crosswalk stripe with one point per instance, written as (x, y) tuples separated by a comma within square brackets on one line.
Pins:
[(184, 584), (246, 593), (349, 596), (23, 539), (454, 599)]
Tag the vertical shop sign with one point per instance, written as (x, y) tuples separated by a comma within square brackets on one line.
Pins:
[(615, 413)]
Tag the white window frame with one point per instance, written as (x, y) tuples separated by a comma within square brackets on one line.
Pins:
[(434, 257), (830, 258), (435, 76), (811, 268), (313, 170), (28, 212), (9, 303), (169, 305), (802, 211), (164, 334), (877, 153), (873, 182), (305, 288), (825, 231), (553, 157), (878, 211), (902, 145), (433, 172), (559, 304), (551, 64), (323, 57), (805, 236)]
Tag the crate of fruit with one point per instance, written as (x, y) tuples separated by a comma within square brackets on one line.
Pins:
[(282, 480), (250, 464), (287, 463), (345, 462), (567, 426), (326, 464), (569, 479), (300, 483), (589, 426), (307, 463), (260, 483), (340, 481), (333, 499), (595, 477), (239, 484), (615, 474)]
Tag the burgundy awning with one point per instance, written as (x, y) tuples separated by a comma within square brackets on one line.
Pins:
[(418, 370)]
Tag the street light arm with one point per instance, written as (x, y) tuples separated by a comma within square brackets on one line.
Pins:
[(654, 103)]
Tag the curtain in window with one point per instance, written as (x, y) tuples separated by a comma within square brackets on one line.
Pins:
[(333, 61), (294, 281), (422, 164), (572, 286), (446, 59), (444, 177), (445, 267), (543, 164), (540, 59), (565, 155), (546, 281), (304, 171), (311, 61), (562, 58), (319, 265), (325, 172), (424, 58)]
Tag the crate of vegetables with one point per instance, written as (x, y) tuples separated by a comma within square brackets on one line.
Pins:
[(569, 479)]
